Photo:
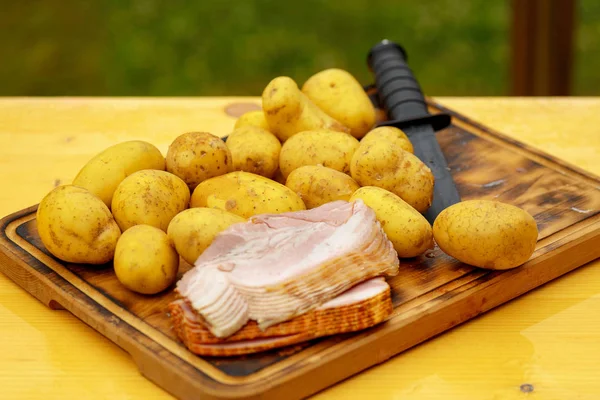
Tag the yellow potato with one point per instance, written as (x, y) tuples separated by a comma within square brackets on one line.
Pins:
[(197, 156), (149, 197), (329, 148), (288, 110), (407, 229), (76, 226), (254, 150), (252, 118), (193, 230), (390, 134), (103, 173), (317, 185), (385, 165), (246, 194), (145, 262), (486, 234), (343, 98)]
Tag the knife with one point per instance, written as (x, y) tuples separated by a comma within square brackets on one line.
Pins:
[(400, 94)]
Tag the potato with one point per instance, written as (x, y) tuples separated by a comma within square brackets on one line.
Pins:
[(486, 234), (254, 150), (317, 185), (252, 118), (197, 156), (391, 134), (343, 98), (145, 262), (76, 226), (329, 148), (149, 197), (407, 229), (288, 111), (193, 230), (103, 173), (384, 164), (246, 194)]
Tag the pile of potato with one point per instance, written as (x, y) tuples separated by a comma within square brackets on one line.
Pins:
[(306, 147)]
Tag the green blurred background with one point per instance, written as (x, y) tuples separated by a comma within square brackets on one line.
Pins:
[(199, 48)]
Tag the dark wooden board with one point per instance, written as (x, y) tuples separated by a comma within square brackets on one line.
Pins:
[(431, 294)]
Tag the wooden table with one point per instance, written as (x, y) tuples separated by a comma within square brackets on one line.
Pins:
[(547, 341)]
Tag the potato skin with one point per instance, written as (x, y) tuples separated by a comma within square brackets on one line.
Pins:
[(102, 174), (317, 185), (145, 262), (197, 156), (254, 150), (385, 165), (329, 148), (405, 227), (391, 134), (246, 194), (149, 197), (288, 110), (252, 118), (486, 234), (193, 230), (76, 226), (343, 98)]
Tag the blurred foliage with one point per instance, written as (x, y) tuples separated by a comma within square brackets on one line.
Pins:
[(210, 47)]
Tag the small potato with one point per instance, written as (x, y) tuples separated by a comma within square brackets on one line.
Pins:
[(149, 197), (343, 98), (317, 185), (103, 173), (145, 262), (329, 148), (391, 134), (193, 230), (386, 165), (288, 110), (252, 118), (486, 234), (254, 150), (197, 156), (407, 229), (76, 226), (246, 194)]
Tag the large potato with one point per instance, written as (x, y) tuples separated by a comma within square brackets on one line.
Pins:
[(288, 110), (103, 173), (384, 164), (329, 148), (486, 234), (407, 229), (197, 156), (317, 185), (252, 118), (254, 150), (391, 134), (343, 98), (149, 197), (246, 194), (193, 230), (76, 226)]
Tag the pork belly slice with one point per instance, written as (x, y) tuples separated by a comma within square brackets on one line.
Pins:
[(275, 267), (365, 305)]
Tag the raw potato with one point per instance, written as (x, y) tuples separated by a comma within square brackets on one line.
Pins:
[(386, 165), (246, 194), (407, 229), (391, 134), (342, 97), (317, 185), (145, 262), (486, 234), (288, 111), (329, 148), (254, 150), (197, 156), (76, 226), (193, 230), (103, 173), (252, 118), (151, 198)]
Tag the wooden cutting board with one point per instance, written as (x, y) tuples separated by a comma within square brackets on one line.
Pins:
[(431, 294)]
